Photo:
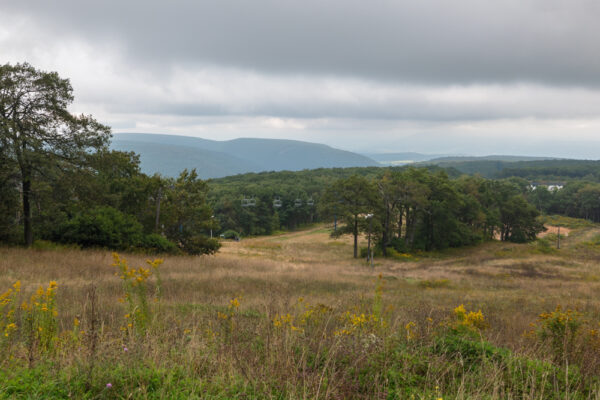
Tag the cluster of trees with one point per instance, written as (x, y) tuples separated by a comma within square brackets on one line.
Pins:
[(553, 170), (577, 199), (59, 181), (283, 200), (413, 209)]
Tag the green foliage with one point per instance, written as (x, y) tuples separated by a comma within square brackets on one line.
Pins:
[(376, 251), (553, 170), (353, 201), (157, 244), (41, 133), (434, 283), (546, 245), (456, 344), (84, 193), (101, 227), (126, 381), (200, 244), (48, 245), (230, 234), (560, 330), (186, 216)]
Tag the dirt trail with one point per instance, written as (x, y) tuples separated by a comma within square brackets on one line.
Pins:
[(554, 229)]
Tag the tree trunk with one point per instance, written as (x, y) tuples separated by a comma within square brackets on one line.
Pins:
[(27, 224), (355, 233), (408, 236), (386, 231), (400, 213)]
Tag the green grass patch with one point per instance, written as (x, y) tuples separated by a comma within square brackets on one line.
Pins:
[(434, 283)]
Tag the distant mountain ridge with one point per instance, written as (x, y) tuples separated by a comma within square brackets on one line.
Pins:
[(170, 154), (401, 158), (505, 158)]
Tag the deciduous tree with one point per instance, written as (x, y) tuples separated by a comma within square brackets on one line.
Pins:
[(37, 132)]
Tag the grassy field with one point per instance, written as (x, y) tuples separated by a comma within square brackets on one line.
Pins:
[(294, 316)]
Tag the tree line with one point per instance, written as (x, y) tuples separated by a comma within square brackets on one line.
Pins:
[(577, 199), (60, 181), (416, 209)]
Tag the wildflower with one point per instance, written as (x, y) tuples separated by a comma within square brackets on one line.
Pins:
[(108, 385), (235, 303), (470, 320), (125, 349), (410, 333), (220, 315), (156, 263)]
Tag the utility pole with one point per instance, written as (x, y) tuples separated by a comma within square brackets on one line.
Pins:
[(211, 225)]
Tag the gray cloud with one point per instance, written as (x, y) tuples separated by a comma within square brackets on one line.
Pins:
[(467, 76), (431, 41)]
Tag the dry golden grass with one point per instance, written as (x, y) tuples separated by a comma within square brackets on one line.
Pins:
[(512, 284)]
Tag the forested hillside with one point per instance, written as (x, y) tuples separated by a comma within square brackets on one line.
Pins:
[(504, 167)]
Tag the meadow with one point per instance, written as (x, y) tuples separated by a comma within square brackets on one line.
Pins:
[(294, 316)]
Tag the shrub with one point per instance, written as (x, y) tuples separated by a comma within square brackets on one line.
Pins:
[(101, 227), (48, 245), (560, 329), (399, 245), (200, 244), (466, 348), (158, 244)]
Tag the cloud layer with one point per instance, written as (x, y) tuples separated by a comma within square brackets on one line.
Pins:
[(467, 76)]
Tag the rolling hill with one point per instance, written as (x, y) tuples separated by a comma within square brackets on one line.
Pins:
[(170, 154)]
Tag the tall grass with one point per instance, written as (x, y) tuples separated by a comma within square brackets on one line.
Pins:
[(300, 319)]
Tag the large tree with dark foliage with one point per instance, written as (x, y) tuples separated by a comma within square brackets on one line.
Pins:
[(351, 200), (38, 133)]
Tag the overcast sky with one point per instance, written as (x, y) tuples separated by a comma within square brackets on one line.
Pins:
[(435, 76)]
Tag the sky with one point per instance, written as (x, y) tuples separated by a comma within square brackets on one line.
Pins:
[(472, 77)]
